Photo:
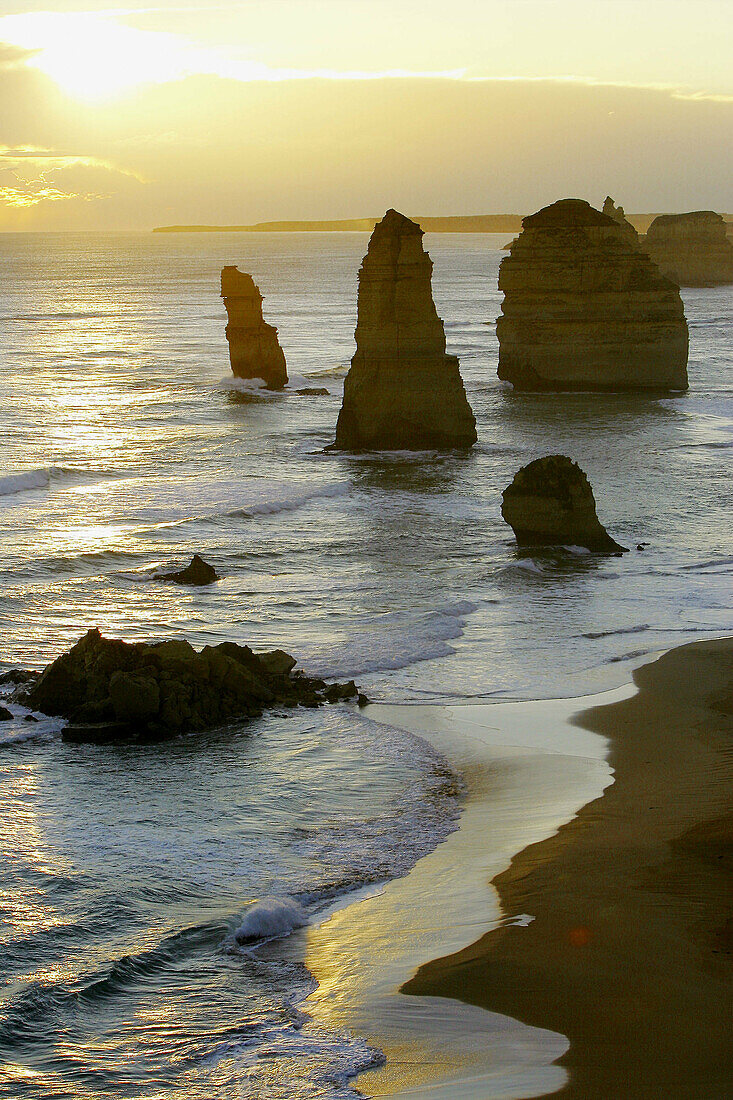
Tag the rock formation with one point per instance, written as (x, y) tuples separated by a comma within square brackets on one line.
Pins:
[(550, 503), (254, 349), (198, 572), (691, 249), (585, 310), (112, 690), (617, 213), (402, 392)]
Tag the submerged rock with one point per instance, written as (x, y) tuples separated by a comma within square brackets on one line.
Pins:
[(550, 503), (313, 391), (5, 714), (198, 572), (618, 215), (402, 392), (254, 349), (584, 309), (691, 249), (112, 690)]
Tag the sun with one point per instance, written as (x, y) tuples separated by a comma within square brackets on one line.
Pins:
[(97, 57)]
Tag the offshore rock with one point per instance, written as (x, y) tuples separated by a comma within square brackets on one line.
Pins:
[(585, 310), (198, 572), (112, 690), (618, 215), (691, 249), (550, 503), (254, 349), (402, 392)]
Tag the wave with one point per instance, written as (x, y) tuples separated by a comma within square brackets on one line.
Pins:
[(270, 918), (392, 641), (24, 481), (640, 629)]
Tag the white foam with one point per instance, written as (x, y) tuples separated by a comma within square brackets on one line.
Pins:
[(392, 641), (247, 385), (270, 917)]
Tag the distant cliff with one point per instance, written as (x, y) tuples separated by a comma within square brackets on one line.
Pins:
[(470, 223)]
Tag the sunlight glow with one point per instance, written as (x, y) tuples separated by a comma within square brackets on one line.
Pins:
[(97, 57)]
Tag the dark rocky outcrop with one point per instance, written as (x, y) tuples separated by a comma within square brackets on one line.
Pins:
[(254, 349), (618, 215), (691, 249), (313, 391), (550, 503), (402, 392), (198, 572), (5, 714), (112, 690), (586, 310)]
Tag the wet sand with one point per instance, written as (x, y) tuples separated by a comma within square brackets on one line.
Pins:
[(527, 771), (629, 954)]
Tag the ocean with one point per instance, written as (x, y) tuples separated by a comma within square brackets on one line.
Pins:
[(136, 882)]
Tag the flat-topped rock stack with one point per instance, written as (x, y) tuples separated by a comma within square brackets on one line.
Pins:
[(691, 249), (550, 503), (254, 349), (584, 309), (617, 213), (402, 392)]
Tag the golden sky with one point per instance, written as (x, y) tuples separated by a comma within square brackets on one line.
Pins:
[(147, 113)]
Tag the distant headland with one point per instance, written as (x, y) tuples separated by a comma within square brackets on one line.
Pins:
[(471, 223), (460, 223)]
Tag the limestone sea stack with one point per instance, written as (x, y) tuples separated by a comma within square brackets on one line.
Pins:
[(584, 309), (402, 392), (691, 249), (254, 349), (550, 503), (617, 213)]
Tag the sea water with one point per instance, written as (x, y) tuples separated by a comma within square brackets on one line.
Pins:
[(136, 884)]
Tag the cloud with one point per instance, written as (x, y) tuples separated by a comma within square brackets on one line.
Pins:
[(30, 176), (12, 56)]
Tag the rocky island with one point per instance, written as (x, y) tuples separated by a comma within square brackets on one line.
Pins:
[(550, 503), (585, 309), (691, 249), (403, 392), (254, 349), (112, 690)]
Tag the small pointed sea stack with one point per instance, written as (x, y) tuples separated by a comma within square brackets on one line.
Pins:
[(691, 249), (254, 349), (617, 213), (584, 309), (402, 392), (550, 503)]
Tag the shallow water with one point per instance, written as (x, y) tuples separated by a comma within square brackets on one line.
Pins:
[(127, 447)]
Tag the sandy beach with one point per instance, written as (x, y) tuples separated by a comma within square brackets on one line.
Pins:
[(628, 954)]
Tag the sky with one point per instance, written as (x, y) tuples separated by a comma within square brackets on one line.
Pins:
[(150, 112)]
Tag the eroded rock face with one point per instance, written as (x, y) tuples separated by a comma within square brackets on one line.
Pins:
[(112, 690), (254, 349), (691, 249), (583, 309), (402, 392), (618, 215), (550, 503)]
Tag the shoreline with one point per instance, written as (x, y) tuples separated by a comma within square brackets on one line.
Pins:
[(511, 755), (628, 954)]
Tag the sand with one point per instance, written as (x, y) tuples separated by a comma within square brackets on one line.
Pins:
[(629, 953), (527, 771)]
